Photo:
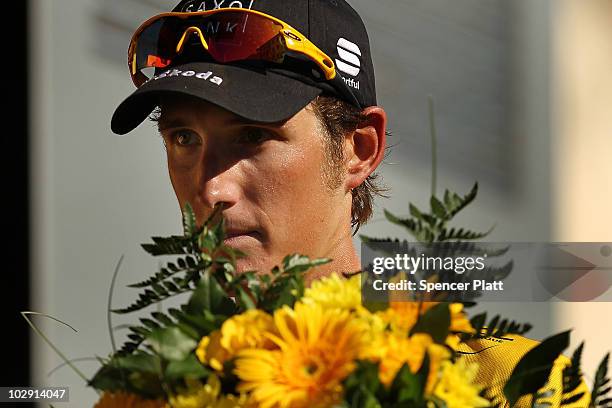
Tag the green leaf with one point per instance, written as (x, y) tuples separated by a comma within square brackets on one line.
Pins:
[(495, 328), (435, 322), (139, 361), (392, 218), (492, 325), (245, 300), (189, 220), (437, 208), (572, 399), (210, 296), (449, 200), (137, 373), (162, 318), (362, 386), (145, 384), (107, 378), (533, 370), (572, 373), (202, 324), (415, 212), (173, 245), (142, 331), (283, 292), (189, 367), (171, 343), (299, 263), (414, 227), (599, 394), (407, 386), (478, 321), (461, 234), (431, 220), (458, 204)]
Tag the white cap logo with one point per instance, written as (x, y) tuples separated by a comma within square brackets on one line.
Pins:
[(349, 54), (193, 6)]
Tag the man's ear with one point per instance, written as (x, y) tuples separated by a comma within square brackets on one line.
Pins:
[(365, 147)]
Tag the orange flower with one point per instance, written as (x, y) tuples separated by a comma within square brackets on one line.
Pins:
[(402, 316), (316, 350), (392, 351)]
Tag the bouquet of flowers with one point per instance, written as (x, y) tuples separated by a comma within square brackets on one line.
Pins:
[(265, 340)]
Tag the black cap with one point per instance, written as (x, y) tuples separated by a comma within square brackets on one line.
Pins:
[(263, 93)]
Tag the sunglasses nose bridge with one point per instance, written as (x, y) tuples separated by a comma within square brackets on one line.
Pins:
[(188, 31)]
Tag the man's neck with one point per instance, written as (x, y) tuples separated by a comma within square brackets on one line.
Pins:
[(343, 257)]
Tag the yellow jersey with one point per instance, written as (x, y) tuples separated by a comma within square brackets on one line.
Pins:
[(497, 357)]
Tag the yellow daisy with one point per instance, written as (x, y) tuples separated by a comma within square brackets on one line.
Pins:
[(392, 351), (456, 386), (238, 332), (402, 316), (316, 349), (335, 291), (198, 395)]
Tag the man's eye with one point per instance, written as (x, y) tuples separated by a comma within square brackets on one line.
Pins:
[(185, 138), (254, 136)]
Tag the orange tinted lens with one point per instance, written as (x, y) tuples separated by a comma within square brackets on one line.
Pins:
[(157, 62), (156, 45), (230, 35), (235, 36)]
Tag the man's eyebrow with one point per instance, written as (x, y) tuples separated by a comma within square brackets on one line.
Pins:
[(163, 124)]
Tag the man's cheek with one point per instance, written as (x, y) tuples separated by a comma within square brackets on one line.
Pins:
[(185, 190)]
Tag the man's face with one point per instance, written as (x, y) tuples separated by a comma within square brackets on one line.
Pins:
[(274, 180)]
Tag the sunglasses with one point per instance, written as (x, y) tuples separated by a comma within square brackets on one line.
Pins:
[(227, 35)]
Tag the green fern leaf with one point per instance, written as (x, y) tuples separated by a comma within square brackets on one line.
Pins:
[(189, 220), (572, 374), (599, 394), (437, 208), (457, 204)]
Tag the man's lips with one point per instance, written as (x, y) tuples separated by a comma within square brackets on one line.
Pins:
[(235, 236)]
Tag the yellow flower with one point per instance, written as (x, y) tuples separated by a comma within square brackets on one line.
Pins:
[(335, 291), (402, 316), (125, 400), (316, 352), (238, 332), (456, 386), (198, 395), (459, 320), (392, 351)]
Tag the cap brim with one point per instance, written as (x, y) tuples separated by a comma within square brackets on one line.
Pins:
[(254, 94)]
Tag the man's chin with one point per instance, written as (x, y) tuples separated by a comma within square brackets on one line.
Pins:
[(253, 264), (255, 259)]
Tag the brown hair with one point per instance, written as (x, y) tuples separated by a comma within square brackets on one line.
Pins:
[(340, 118)]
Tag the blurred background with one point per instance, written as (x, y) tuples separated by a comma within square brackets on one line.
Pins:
[(523, 97)]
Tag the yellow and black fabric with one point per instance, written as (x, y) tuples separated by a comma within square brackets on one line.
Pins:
[(497, 357)]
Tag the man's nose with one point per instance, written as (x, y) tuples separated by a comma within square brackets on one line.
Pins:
[(219, 184)]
